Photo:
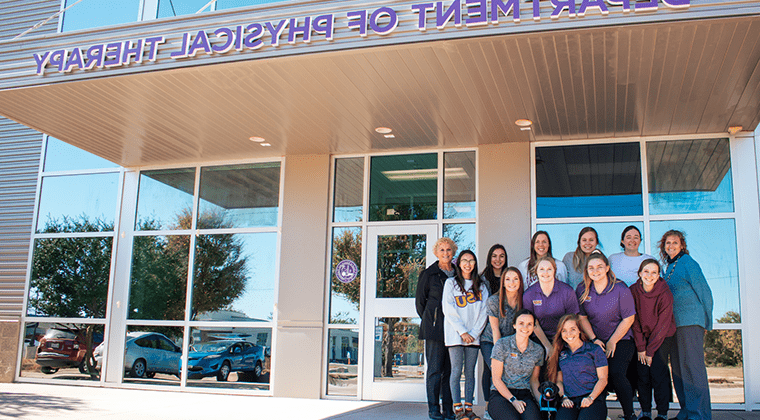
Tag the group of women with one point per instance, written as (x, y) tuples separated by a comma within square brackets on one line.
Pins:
[(584, 323)]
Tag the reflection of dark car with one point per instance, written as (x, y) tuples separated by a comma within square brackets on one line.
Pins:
[(222, 357), (148, 353), (60, 348)]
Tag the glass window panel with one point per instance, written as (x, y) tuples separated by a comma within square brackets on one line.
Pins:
[(165, 199), (565, 239), (690, 176), (153, 354), (403, 187), (588, 180), (725, 365), (463, 234), (60, 351), (345, 285), (400, 260), (239, 196), (159, 277), (170, 8), (234, 277), (60, 156), (230, 357), (229, 4), (712, 244), (459, 185), (70, 277), (349, 188), (398, 352), (97, 13), (78, 203), (342, 366)]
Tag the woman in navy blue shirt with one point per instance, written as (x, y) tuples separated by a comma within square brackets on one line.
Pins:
[(607, 314), (579, 368)]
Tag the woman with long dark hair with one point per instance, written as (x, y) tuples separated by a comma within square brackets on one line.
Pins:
[(491, 275), (607, 313), (464, 311), (579, 368), (692, 308), (540, 246), (588, 240)]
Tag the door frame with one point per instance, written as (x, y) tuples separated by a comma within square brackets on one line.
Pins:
[(394, 307)]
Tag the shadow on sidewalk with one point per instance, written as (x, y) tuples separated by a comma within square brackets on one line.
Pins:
[(20, 405)]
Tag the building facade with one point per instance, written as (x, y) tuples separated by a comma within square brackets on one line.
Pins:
[(239, 196)]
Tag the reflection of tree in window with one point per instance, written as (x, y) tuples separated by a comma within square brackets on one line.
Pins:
[(347, 245), (159, 272), (70, 276), (724, 347)]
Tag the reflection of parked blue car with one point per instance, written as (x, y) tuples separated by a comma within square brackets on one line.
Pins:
[(222, 357), (148, 353)]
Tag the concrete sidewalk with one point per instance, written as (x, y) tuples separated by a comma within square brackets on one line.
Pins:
[(36, 401)]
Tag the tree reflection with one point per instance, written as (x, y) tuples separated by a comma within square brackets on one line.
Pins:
[(70, 276), (724, 347)]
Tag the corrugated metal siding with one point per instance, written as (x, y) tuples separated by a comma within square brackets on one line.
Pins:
[(16, 16), (19, 163)]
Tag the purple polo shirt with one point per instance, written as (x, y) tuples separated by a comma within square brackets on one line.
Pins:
[(579, 368), (605, 311), (549, 309)]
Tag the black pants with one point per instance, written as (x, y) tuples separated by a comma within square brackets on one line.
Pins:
[(596, 411), (501, 409), (657, 378), (437, 380), (618, 366)]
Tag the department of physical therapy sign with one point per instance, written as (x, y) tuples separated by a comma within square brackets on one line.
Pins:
[(307, 29)]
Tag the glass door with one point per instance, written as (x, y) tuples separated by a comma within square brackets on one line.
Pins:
[(394, 367)]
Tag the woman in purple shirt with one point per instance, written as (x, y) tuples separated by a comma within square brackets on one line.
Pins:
[(549, 299), (607, 313)]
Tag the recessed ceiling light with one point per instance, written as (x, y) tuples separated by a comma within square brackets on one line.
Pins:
[(734, 129), (389, 136), (525, 128), (383, 130), (265, 144), (524, 123), (256, 139)]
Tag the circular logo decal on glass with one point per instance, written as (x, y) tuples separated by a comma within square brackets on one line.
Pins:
[(346, 271)]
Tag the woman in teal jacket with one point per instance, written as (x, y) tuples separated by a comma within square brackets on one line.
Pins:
[(692, 307)]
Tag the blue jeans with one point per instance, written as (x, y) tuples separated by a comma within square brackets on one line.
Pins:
[(486, 348), (687, 358), (463, 356), (437, 378)]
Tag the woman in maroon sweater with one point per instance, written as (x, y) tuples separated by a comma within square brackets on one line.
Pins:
[(653, 331)]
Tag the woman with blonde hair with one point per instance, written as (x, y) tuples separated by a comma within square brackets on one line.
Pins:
[(430, 309)]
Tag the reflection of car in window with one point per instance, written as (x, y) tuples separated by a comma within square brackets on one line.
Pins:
[(62, 348), (220, 358), (147, 353)]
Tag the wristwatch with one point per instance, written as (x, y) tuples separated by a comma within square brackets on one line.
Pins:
[(513, 399)]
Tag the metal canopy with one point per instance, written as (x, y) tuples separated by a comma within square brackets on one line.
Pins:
[(681, 78)]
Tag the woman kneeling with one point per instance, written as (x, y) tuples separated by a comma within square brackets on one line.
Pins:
[(579, 369), (515, 364)]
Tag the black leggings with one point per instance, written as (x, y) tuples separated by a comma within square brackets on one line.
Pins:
[(501, 409), (617, 378), (596, 411)]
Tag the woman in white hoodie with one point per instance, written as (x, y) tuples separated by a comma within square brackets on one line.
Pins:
[(464, 310)]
